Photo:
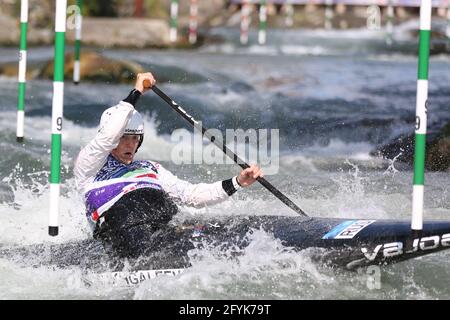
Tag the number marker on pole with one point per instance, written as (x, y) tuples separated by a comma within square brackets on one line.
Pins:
[(57, 115)]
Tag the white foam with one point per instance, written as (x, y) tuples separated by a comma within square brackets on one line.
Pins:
[(337, 148), (238, 273), (26, 221)]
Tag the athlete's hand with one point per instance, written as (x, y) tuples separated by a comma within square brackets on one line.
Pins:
[(144, 82), (249, 175)]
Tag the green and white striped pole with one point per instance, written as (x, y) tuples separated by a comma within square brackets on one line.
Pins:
[(447, 30), (245, 21), (57, 115), (193, 23), (329, 14), (78, 24), (22, 70), (262, 22), (421, 118), (173, 20), (289, 11), (390, 22)]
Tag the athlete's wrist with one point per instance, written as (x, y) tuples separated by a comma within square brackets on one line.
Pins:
[(140, 89), (230, 186), (133, 96), (236, 184)]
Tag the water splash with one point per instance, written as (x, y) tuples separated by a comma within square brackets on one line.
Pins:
[(258, 271), (25, 220), (391, 170)]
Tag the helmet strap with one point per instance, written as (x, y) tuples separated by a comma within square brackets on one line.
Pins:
[(141, 139)]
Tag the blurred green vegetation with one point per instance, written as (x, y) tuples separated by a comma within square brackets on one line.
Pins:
[(116, 8), (98, 8), (102, 8), (156, 9)]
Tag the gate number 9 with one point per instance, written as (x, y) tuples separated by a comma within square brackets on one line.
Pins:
[(59, 123)]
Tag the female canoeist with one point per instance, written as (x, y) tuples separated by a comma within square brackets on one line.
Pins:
[(128, 200)]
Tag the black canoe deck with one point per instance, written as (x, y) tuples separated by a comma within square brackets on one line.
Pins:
[(344, 243)]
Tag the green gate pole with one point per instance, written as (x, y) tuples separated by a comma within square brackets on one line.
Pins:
[(57, 115), (289, 11), (245, 21), (421, 118), (193, 21), (390, 22), (329, 14), (447, 30), (262, 34), (22, 70), (78, 25), (173, 20)]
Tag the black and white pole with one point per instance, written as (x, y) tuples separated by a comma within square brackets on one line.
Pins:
[(22, 70), (57, 115)]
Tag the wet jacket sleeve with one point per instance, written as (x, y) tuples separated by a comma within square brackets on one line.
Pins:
[(93, 156), (195, 195)]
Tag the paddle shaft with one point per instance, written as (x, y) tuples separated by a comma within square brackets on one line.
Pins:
[(226, 150)]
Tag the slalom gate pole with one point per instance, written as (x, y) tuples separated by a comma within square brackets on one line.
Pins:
[(421, 118), (245, 21), (390, 22), (193, 21), (173, 20), (57, 115), (447, 30), (22, 70), (262, 34), (289, 12), (78, 26), (329, 14)]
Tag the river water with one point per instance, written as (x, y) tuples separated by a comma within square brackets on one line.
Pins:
[(333, 97)]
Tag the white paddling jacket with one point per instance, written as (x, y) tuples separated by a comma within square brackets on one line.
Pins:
[(103, 180)]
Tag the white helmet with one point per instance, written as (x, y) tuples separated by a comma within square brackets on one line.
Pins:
[(134, 126)]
